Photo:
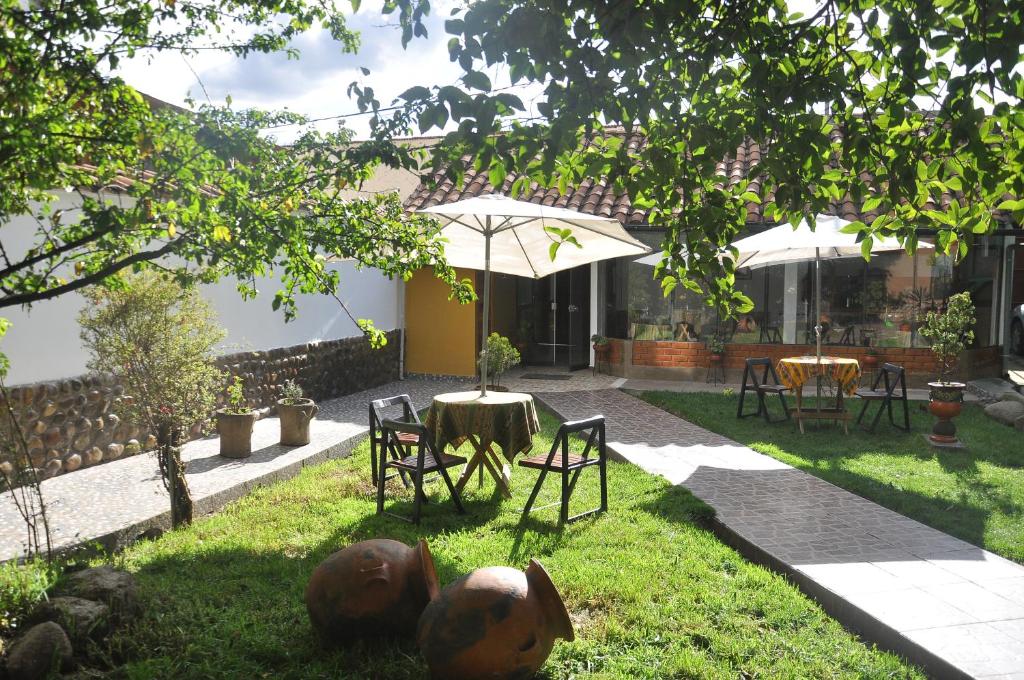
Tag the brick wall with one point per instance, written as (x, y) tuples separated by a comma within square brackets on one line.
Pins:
[(920, 362)]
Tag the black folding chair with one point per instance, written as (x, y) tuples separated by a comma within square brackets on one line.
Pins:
[(569, 465), (769, 335), (762, 387), (892, 376), (404, 441), (426, 459)]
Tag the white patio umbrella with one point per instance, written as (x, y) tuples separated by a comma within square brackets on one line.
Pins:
[(784, 244), (496, 233)]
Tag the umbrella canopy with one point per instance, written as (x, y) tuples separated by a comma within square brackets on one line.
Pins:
[(784, 244), (519, 242), (496, 233)]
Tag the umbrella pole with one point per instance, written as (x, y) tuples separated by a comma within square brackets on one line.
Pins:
[(487, 307), (817, 313)]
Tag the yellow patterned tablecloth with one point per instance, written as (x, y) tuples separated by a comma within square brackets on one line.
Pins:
[(508, 419), (795, 371)]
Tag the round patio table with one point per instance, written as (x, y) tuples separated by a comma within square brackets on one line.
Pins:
[(795, 372), (506, 419)]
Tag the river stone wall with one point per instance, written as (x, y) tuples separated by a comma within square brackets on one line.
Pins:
[(74, 423)]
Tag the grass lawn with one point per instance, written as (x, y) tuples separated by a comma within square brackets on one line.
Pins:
[(651, 592), (976, 494)]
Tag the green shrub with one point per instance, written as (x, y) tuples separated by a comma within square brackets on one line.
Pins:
[(501, 356), (950, 332)]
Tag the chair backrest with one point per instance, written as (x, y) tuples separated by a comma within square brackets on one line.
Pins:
[(378, 408), (893, 376), (592, 428), (753, 363)]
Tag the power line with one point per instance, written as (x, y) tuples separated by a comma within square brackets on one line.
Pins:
[(353, 114)]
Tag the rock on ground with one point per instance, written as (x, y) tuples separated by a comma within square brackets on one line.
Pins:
[(115, 588), (45, 648), (1005, 412), (81, 619)]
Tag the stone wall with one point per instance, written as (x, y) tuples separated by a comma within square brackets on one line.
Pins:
[(74, 423)]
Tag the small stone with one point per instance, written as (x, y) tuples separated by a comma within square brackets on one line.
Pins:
[(114, 451), (132, 447), (39, 653), (98, 424), (93, 455), (38, 458), (82, 441), (35, 444), (115, 588), (52, 436), (52, 468), (52, 454), (38, 427), (1005, 412), (81, 619), (6, 469), (150, 442), (113, 420), (72, 462)]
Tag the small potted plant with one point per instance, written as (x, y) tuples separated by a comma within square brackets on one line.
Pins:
[(950, 333), (716, 346), (501, 356), (871, 359), (234, 423), (295, 412)]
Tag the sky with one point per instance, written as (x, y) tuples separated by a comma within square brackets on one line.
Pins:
[(316, 84)]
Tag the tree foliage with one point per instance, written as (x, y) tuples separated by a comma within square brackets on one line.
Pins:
[(159, 339), (951, 331), (201, 193), (910, 109)]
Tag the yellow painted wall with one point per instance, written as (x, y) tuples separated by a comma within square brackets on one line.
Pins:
[(440, 333)]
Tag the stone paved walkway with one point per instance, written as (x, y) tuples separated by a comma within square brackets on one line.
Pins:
[(112, 504), (954, 608)]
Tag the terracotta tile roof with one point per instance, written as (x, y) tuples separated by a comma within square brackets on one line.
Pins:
[(596, 197)]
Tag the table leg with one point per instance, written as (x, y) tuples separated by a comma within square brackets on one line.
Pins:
[(471, 465), (799, 407), (480, 460)]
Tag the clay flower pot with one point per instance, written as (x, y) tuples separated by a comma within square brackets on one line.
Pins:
[(945, 403), (372, 588), (295, 419), (495, 623), (235, 430)]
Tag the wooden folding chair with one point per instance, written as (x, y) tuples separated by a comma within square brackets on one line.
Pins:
[(569, 465), (893, 376), (762, 387), (426, 459), (404, 441)]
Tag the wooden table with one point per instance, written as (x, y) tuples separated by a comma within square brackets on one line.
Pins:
[(506, 419), (795, 372)]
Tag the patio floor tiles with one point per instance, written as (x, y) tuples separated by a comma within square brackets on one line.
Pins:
[(954, 608)]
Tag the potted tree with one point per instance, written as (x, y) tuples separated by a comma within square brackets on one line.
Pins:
[(716, 346), (950, 333), (295, 412), (501, 356), (159, 339), (234, 423), (601, 347)]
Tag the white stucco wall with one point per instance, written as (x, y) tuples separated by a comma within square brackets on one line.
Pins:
[(43, 342)]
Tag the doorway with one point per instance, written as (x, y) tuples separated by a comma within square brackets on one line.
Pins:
[(554, 318)]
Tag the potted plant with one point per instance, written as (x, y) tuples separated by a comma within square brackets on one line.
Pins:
[(950, 333), (871, 358), (295, 412), (716, 346), (234, 423), (501, 356)]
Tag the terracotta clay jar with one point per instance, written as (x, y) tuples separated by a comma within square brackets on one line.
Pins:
[(496, 623), (370, 589)]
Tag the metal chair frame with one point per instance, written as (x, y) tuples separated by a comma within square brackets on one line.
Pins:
[(439, 462), (761, 388), (571, 466), (887, 396)]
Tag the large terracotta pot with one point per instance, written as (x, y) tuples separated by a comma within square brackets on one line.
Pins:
[(295, 420), (372, 588), (495, 623), (235, 430), (945, 403)]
